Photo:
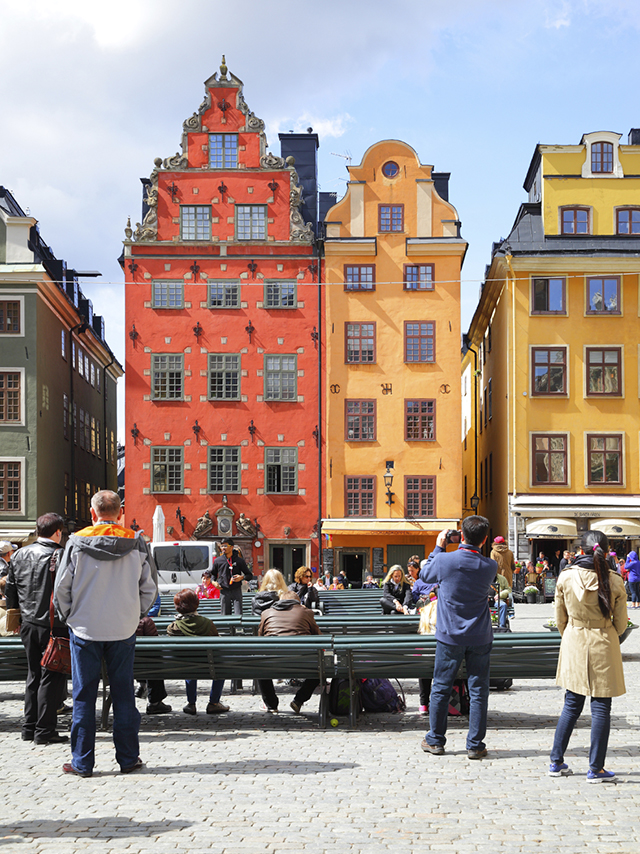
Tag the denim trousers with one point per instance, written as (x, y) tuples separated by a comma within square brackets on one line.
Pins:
[(214, 695), (600, 727), (503, 613), (447, 663), (86, 665), (633, 588)]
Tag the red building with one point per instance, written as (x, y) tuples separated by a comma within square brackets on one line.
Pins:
[(222, 356)]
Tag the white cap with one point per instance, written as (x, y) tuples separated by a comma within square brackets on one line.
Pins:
[(5, 546)]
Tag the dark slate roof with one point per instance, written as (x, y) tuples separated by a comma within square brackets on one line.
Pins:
[(527, 237)]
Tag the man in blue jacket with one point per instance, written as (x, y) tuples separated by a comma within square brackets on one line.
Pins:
[(463, 631)]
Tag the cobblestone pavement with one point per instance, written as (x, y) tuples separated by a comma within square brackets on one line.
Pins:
[(248, 781)]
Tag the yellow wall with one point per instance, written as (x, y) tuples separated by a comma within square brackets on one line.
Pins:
[(389, 306)]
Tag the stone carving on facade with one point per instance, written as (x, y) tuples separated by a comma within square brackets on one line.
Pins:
[(245, 526), (271, 161), (300, 232), (252, 123), (204, 526), (178, 161), (193, 123), (148, 229)]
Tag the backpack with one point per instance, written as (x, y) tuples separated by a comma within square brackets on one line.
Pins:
[(339, 697), (379, 695), (459, 699)]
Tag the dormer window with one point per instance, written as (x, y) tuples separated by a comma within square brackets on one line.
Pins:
[(602, 157)]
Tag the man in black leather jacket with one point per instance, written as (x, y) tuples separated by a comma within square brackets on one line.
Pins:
[(29, 585)]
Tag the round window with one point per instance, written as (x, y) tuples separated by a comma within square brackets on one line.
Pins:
[(390, 169)]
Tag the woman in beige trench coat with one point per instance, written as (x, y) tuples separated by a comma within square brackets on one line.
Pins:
[(591, 614)]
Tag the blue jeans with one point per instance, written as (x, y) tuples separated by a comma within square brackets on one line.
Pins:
[(502, 621), (448, 661), (600, 726), (214, 696), (86, 663)]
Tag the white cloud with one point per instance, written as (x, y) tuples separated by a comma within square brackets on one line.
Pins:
[(558, 16), (332, 126)]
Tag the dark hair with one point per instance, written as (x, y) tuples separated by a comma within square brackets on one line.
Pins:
[(206, 572), (227, 541), (475, 529), (596, 543), (186, 601), (48, 524)]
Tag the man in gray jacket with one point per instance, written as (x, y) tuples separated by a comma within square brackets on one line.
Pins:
[(106, 583)]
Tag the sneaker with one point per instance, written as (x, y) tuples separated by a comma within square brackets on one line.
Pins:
[(436, 749), (477, 754), (69, 769), (295, 706), (137, 765), (600, 776), (424, 710), (559, 769), (158, 708), (190, 709), (271, 711), (216, 708), (64, 710)]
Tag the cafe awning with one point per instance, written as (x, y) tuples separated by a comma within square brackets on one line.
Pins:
[(616, 528), (552, 529), (387, 526)]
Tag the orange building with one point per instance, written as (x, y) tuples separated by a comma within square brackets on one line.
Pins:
[(393, 255), (222, 356)]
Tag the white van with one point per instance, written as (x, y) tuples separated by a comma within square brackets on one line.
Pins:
[(181, 564)]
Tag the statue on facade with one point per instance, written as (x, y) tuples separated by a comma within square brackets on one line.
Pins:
[(204, 525), (245, 526)]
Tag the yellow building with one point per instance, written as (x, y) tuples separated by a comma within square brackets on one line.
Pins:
[(393, 254), (552, 371)]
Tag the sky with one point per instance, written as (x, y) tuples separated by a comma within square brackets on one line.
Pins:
[(93, 92)]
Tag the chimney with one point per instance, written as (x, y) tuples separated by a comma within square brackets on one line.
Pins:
[(634, 136), (303, 147)]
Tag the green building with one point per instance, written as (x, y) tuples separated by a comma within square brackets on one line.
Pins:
[(57, 385)]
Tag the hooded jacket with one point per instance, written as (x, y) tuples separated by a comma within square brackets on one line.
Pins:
[(192, 625), (503, 556), (590, 662), (106, 582), (288, 617), (632, 565)]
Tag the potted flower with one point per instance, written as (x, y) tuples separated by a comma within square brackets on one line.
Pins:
[(531, 594)]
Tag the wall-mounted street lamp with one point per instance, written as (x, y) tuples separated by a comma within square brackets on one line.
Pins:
[(474, 501), (388, 482)]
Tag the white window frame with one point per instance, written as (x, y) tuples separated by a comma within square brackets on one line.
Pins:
[(22, 422), (20, 299), (23, 485)]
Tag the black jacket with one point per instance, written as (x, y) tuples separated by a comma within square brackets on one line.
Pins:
[(263, 600), (308, 594), (400, 592), (29, 582), (222, 572)]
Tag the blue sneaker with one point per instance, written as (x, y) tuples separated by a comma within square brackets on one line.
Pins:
[(559, 769), (600, 776)]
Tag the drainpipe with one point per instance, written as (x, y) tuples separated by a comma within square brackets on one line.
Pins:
[(320, 389), (104, 423), (475, 427), (79, 327), (511, 379)]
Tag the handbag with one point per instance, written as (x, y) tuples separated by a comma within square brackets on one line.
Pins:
[(428, 616), (57, 655), (13, 620)]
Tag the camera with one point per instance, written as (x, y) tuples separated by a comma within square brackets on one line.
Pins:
[(453, 536)]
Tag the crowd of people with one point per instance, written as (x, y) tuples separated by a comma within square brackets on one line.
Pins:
[(99, 591)]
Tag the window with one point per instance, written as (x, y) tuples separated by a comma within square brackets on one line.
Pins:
[(80, 362), (390, 169), (98, 437), (113, 447), (490, 473), (93, 375), (549, 459), (360, 420), (575, 221), (223, 150), (93, 435), (251, 222), (87, 431), (224, 295), (10, 407), (167, 295), (10, 317), (604, 371), (418, 277), (628, 221), (75, 424), (97, 379), (603, 295), (67, 489), (360, 496), (419, 420), (195, 222), (420, 499), (548, 296), (490, 399), (166, 469), (604, 458), (10, 476), (281, 466), (420, 341), (488, 337), (86, 367), (73, 354), (486, 477), (82, 429), (602, 157), (359, 277), (63, 344), (224, 469), (549, 370), (390, 217), (167, 377), (224, 376), (280, 295), (280, 378), (65, 416), (360, 343)]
